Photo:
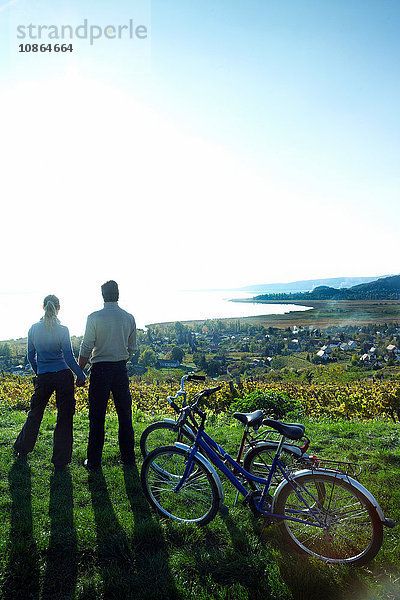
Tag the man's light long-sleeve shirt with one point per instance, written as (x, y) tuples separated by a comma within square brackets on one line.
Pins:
[(110, 335)]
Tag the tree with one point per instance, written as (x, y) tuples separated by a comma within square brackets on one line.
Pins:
[(6, 351), (253, 347), (179, 328), (148, 358), (177, 354), (213, 368), (277, 363), (199, 360), (354, 361)]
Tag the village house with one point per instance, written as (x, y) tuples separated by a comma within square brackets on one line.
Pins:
[(326, 349), (168, 364), (294, 345), (393, 351), (369, 360)]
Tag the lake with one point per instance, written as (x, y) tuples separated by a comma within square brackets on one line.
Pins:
[(190, 306), (19, 311)]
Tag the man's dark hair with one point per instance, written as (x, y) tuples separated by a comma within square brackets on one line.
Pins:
[(110, 291)]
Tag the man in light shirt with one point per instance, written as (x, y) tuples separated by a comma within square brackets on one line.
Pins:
[(109, 342)]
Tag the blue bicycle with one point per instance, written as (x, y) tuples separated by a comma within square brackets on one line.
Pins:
[(321, 511)]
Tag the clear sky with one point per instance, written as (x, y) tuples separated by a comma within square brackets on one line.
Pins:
[(241, 142)]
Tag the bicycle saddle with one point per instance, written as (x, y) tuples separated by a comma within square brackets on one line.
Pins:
[(293, 431), (254, 419)]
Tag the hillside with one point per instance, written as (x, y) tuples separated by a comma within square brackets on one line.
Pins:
[(386, 288), (307, 285)]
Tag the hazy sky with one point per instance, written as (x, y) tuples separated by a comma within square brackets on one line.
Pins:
[(241, 142)]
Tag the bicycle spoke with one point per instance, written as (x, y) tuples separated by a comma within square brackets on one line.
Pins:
[(349, 530), (196, 500)]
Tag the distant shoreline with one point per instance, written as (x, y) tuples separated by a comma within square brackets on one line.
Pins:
[(323, 313)]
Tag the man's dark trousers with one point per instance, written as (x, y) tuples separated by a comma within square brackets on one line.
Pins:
[(106, 377), (62, 383)]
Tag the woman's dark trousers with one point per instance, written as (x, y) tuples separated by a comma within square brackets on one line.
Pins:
[(106, 377), (62, 383)]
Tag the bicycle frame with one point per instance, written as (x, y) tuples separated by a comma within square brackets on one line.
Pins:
[(210, 447), (248, 438)]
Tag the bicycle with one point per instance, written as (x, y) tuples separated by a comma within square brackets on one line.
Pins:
[(257, 446), (321, 512)]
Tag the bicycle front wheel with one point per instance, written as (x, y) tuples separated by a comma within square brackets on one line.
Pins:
[(341, 526), (162, 433), (197, 501)]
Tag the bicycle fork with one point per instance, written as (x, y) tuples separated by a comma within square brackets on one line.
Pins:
[(188, 470)]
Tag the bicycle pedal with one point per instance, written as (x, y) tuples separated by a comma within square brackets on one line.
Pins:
[(389, 522), (247, 499), (224, 510)]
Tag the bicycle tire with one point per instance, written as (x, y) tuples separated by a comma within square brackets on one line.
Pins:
[(258, 461), (162, 433), (196, 502), (353, 531)]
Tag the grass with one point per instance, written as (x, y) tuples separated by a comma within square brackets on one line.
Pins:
[(75, 535)]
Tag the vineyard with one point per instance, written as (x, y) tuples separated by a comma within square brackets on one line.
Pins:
[(356, 400), (85, 536)]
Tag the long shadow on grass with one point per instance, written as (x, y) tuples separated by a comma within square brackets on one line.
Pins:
[(153, 572), (218, 567), (22, 571), (246, 564), (115, 559), (62, 560)]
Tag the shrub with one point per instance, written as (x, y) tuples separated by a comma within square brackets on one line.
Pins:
[(275, 404)]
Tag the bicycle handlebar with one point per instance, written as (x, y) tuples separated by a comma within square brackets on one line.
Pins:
[(206, 393), (193, 377), (181, 391), (186, 410)]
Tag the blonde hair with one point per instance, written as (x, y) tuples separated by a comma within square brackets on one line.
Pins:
[(51, 305)]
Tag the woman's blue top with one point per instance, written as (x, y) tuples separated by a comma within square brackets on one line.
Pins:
[(50, 351)]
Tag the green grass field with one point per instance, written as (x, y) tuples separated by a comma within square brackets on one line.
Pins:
[(74, 535)]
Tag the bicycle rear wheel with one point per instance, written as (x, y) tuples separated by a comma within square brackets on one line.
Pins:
[(197, 501), (351, 531), (259, 459), (162, 433)]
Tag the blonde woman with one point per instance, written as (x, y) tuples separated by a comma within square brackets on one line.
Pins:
[(50, 355)]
